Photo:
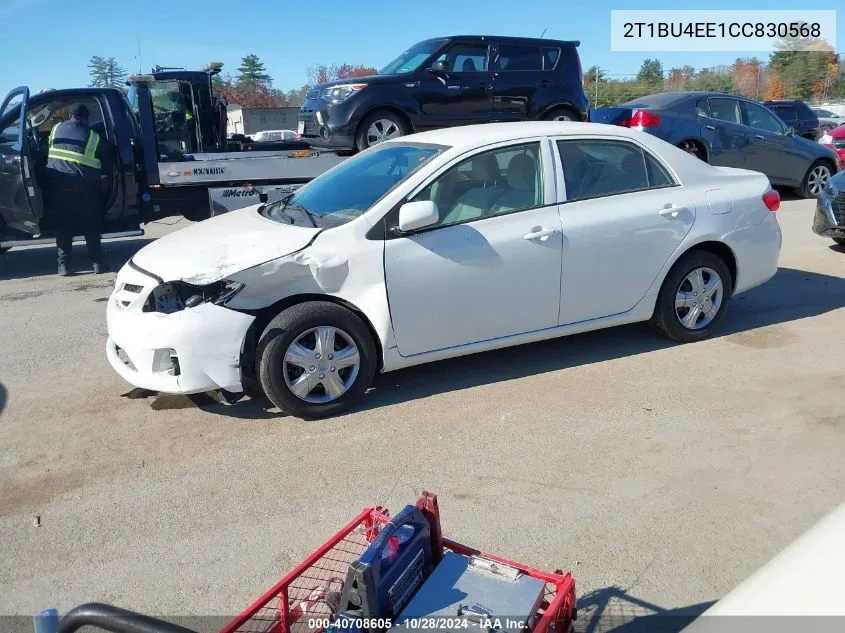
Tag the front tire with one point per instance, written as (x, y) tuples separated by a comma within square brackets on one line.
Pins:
[(816, 179), (694, 297), (839, 240), (379, 126), (316, 359)]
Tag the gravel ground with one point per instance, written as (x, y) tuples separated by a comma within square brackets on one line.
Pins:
[(660, 475)]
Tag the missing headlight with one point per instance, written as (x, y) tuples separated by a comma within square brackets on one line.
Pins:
[(178, 295)]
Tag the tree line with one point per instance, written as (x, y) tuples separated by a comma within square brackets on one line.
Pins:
[(810, 75), (251, 86)]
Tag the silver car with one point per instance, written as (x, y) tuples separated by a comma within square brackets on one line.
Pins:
[(827, 119)]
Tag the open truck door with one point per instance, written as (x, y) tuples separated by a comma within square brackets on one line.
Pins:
[(21, 206)]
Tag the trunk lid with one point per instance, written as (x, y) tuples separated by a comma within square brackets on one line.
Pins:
[(611, 116)]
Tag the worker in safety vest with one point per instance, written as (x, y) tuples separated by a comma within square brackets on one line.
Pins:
[(72, 187)]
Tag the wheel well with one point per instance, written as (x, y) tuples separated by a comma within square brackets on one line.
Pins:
[(830, 163), (723, 252), (562, 106), (265, 315), (697, 143), (388, 108)]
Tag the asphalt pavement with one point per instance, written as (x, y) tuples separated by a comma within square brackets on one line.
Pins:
[(661, 475)]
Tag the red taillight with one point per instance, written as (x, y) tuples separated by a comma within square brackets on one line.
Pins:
[(644, 118), (772, 200)]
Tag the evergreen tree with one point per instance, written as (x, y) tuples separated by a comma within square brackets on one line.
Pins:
[(105, 72)]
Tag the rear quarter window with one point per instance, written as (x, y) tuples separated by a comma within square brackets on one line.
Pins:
[(567, 62)]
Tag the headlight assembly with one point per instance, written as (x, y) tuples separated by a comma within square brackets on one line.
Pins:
[(339, 94), (178, 295)]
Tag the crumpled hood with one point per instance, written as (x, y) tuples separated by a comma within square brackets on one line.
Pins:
[(215, 248)]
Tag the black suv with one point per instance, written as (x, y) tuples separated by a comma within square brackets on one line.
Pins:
[(798, 116), (445, 82)]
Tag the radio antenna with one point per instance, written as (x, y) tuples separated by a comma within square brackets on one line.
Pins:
[(544, 32)]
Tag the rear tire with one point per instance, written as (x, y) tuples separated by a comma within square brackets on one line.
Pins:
[(816, 179), (694, 297), (324, 352), (694, 148), (839, 240), (379, 126), (561, 113)]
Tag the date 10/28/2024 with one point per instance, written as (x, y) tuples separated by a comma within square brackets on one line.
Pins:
[(347, 623)]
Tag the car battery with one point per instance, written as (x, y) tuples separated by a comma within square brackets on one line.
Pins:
[(381, 582), (473, 594)]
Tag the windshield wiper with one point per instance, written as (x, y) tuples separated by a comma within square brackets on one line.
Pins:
[(280, 205), (308, 214)]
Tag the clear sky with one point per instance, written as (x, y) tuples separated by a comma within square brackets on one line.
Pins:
[(47, 43)]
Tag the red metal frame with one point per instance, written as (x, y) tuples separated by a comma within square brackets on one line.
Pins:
[(271, 613)]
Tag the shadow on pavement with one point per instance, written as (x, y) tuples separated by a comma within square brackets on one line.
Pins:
[(3, 397), (40, 261), (613, 609), (790, 295), (789, 195)]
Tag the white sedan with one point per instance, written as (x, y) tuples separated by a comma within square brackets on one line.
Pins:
[(441, 244)]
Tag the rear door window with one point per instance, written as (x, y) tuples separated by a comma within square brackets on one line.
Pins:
[(598, 168), (725, 110), (516, 57), (761, 119)]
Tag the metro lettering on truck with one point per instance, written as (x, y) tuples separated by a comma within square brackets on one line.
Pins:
[(209, 171), (238, 193)]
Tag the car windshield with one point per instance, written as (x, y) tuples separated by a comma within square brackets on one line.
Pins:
[(348, 191), (412, 59)]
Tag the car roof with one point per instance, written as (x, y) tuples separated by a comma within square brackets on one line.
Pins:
[(470, 136), (506, 38)]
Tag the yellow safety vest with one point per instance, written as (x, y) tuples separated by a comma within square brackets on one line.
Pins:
[(87, 158)]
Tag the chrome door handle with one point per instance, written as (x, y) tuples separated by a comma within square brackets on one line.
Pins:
[(539, 235), (671, 211), (760, 136), (710, 127)]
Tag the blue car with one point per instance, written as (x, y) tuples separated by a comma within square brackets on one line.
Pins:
[(729, 131)]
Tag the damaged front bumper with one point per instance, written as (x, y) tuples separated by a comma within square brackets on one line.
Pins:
[(829, 219), (188, 351)]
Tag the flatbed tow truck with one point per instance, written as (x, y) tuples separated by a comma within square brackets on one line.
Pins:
[(167, 155)]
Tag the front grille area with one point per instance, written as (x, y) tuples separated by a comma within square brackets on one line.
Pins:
[(839, 208)]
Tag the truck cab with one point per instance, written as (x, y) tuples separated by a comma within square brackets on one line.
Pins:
[(166, 154), (25, 124)]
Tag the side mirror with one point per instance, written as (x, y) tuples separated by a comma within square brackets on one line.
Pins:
[(417, 215), (440, 66)]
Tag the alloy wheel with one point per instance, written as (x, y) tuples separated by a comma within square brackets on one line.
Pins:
[(817, 179), (321, 364), (382, 130), (699, 298)]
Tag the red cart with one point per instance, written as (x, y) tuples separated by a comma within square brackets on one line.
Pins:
[(296, 603)]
